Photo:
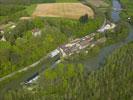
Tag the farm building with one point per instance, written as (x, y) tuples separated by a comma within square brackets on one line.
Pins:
[(76, 45), (54, 53), (36, 32), (109, 26)]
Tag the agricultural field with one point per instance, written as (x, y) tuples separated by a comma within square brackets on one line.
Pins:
[(36, 34), (68, 10), (66, 28), (13, 10)]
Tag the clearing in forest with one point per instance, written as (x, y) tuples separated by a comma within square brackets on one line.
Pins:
[(67, 10)]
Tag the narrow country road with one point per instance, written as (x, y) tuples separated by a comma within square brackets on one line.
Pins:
[(23, 69), (34, 64)]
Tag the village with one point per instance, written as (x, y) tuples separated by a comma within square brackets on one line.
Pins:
[(79, 44), (75, 46), (66, 49)]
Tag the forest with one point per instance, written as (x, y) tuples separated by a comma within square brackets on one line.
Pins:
[(72, 82), (70, 79), (22, 48)]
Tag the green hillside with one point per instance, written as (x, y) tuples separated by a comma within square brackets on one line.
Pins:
[(72, 82), (97, 66)]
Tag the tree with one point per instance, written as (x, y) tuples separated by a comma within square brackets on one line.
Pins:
[(84, 19)]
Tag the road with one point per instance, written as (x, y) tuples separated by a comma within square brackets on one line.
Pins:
[(31, 66), (23, 69)]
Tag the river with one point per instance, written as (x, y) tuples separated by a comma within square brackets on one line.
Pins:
[(99, 60)]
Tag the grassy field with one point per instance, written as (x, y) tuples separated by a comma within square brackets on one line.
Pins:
[(67, 10)]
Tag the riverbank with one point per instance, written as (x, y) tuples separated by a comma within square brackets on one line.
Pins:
[(113, 38), (101, 56)]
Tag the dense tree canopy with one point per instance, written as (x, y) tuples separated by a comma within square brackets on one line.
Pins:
[(26, 48), (71, 81)]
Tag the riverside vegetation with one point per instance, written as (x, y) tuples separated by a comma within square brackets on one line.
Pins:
[(71, 81), (22, 48), (68, 80)]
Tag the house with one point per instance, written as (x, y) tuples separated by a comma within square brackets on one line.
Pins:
[(54, 53), (12, 27), (36, 32), (32, 79), (64, 50), (86, 42), (3, 38), (76, 45), (2, 31), (108, 26)]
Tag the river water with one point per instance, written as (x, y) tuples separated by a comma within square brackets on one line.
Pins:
[(99, 60), (115, 15)]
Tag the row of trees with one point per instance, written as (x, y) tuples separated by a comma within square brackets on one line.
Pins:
[(26, 1), (72, 82), (12, 12)]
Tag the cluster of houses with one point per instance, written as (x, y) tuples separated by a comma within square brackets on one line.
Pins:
[(77, 45), (36, 32), (74, 46)]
